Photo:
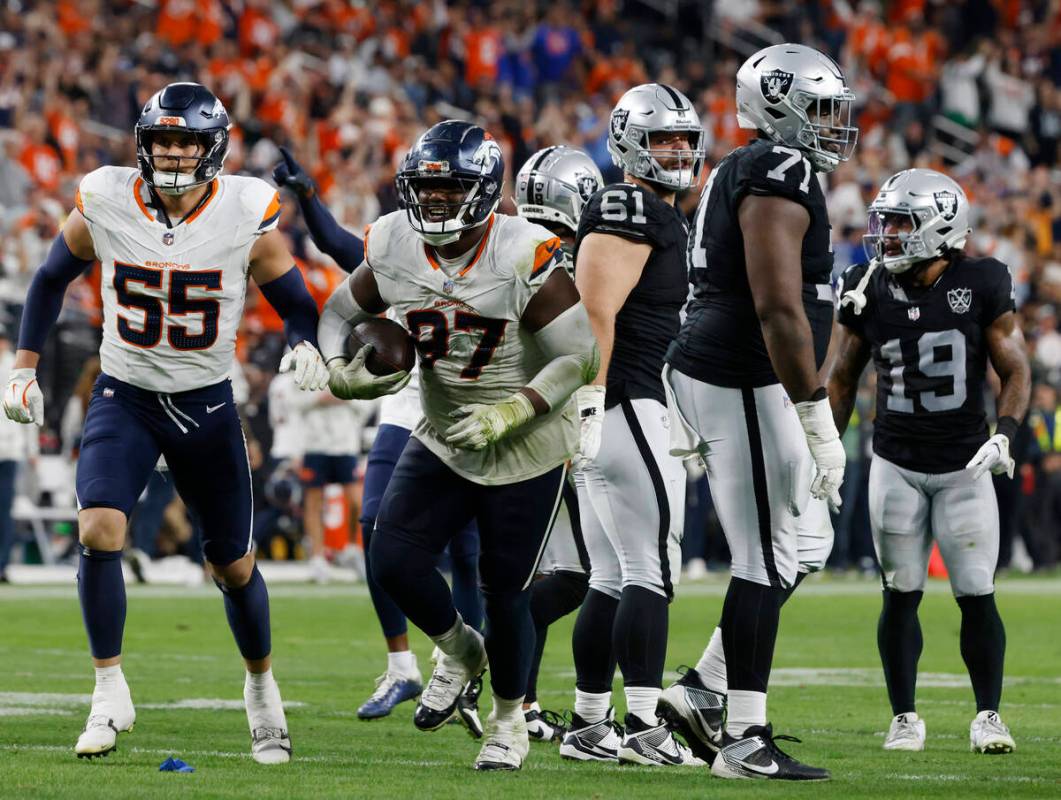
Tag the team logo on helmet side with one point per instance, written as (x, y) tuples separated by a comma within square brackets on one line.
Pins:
[(487, 155), (619, 118), (959, 300), (947, 203), (587, 187), (775, 85)]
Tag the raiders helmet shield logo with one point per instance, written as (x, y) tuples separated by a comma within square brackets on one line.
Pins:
[(960, 300), (587, 187), (619, 117), (947, 203), (775, 85)]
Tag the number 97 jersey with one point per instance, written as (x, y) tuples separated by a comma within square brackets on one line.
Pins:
[(930, 354), (172, 296)]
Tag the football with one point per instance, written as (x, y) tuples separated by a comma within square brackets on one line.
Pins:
[(393, 349)]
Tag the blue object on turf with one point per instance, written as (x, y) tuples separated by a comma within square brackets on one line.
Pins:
[(389, 692), (175, 765)]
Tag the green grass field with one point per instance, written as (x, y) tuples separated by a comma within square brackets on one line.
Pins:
[(187, 681)]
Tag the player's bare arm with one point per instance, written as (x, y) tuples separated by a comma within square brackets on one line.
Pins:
[(352, 302), (273, 268), (773, 230), (608, 269), (852, 353)]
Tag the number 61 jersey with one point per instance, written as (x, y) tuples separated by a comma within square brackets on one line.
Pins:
[(930, 353), (470, 345), (173, 297)]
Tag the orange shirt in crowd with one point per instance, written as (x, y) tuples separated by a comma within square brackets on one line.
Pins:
[(868, 41), (64, 130), (913, 64), (621, 70), (176, 22), (43, 164), (71, 20), (484, 48), (257, 32)]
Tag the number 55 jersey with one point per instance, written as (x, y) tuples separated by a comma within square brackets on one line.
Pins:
[(173, 296), (930, 354), (465, 319)]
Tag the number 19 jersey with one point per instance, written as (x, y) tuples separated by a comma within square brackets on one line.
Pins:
[(930, 353), (721, 340), (172, 297), (470, 344)]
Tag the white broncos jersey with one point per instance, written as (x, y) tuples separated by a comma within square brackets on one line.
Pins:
[(173, 297), (471, 347)]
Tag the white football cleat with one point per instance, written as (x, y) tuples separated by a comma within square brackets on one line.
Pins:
[(112, 713), (596, 741), (506, 743), (319, 570), (270, 743), (989, 734), (438, 701), (907, 732)]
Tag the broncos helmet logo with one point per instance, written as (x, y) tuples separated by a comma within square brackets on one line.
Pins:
[(487, 155), (775, 85)]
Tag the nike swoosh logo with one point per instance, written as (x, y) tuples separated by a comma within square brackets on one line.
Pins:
[(770, 770), (212, 409)]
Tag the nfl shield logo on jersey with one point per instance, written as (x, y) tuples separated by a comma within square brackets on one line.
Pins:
[(914, 313), (960, 300), (947, 203), (447, 286), (167, 238), (775, 85)]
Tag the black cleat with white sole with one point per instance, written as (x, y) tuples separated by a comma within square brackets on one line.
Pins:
[(468, 707), (756, 755), (654, 745), (696, 712)]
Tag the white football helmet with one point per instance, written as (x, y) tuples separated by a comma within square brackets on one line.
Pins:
[(646, 109), (555, 184), (938, 211), (798, 97)]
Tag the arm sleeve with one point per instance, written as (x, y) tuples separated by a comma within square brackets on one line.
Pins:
[(340, 316), (330, 237), (292, 301), (569, 342), (44, 300)]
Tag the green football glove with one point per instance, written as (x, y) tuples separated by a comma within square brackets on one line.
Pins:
[(480, 425), (351, 380)]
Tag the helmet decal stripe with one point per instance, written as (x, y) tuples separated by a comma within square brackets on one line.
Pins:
[(677, 98)]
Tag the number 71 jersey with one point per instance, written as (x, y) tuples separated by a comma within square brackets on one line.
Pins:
[(173, 297), (930, 354), (470, 344)]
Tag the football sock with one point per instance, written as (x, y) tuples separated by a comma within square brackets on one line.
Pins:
[(592, 706), (459, 641), (744, 710), (552, 597), (391, 618), (509, 641), (591, 643), (101, 590), (795, 585), (261, 696), (402, 663), (466, 595), (507, 709), (899, 641), (640, 636), (712, 664), (983, 643), (247, 609), (110, 684), (750, 615), (641, 702)]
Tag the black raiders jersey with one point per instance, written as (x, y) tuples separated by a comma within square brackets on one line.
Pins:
[(721, 341), (651, 315), (930, 353)]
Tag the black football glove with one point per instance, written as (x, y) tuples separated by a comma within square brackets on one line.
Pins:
[(289, 173)]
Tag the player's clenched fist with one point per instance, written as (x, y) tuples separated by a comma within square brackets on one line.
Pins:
[(480, 425), (23, 401), (310, 372)]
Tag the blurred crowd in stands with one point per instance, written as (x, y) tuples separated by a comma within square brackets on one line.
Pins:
[(971, 87)]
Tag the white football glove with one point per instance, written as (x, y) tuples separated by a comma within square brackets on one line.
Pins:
[(826, 449), (590, 402), (479, 425), (994, 456), (306, 362), (23, 401), (351, 380)]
